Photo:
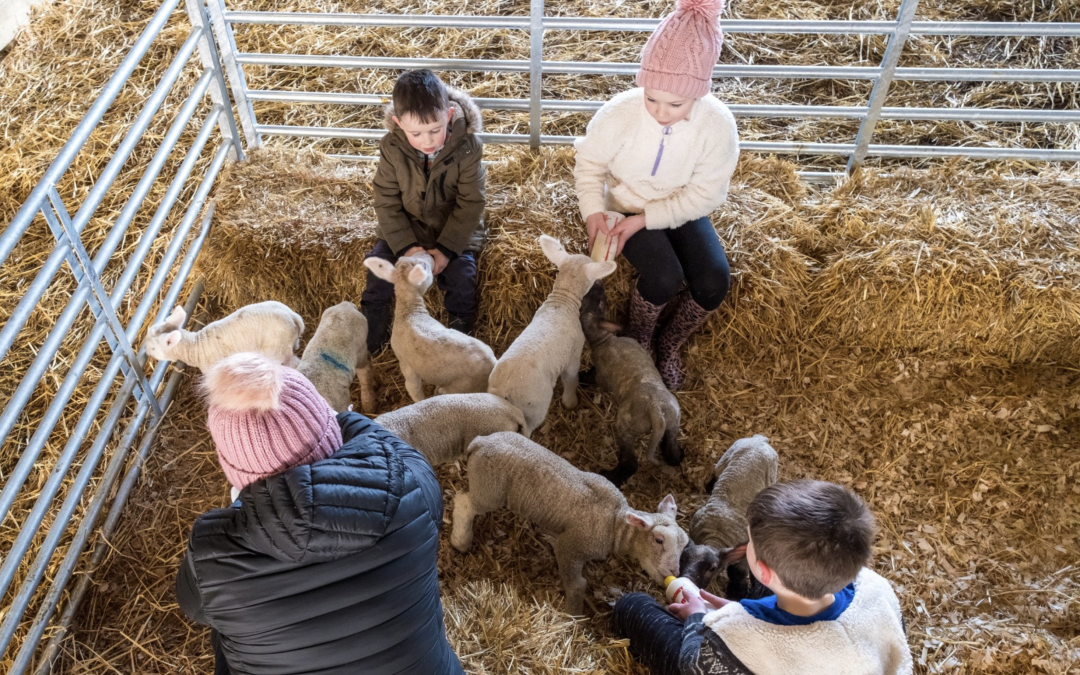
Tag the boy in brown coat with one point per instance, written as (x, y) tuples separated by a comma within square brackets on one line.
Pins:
[(429, 196)]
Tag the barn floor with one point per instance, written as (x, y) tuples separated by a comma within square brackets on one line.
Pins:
[(969, 468)]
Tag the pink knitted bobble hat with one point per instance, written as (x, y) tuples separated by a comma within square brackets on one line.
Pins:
[(266, 418), (680, 55)]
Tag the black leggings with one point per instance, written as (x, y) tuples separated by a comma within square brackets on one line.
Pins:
[(690, 252), (655, 635)]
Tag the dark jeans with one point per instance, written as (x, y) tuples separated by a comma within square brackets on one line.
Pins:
[(655, 635), (457, 282), (690, 252)]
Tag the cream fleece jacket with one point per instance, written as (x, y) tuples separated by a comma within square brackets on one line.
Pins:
[(620, 166), (867, 639)]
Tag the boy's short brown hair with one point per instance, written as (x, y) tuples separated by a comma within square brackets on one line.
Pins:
[(815, 535), (421, 93)]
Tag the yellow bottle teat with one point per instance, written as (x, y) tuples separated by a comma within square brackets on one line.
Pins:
[(668, 580)]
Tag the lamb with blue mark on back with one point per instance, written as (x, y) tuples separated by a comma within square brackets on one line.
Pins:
[(336, 354)]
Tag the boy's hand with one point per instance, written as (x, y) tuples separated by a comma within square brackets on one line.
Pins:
[(594, 224), (441, 261), (413, 251), (684, 610), (714, 600), (627, 228)]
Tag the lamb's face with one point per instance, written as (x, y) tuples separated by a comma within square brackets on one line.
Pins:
[(416, 269), (699, 563), (663, 546), (158, 340), (593, 307)]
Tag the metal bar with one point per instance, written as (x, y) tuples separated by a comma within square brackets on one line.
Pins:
[(30, 526), (47, 549), (18, 225), (536, 73), (226, 47), (17, 607), (52, 650), (575, 23), (44, 277), (739, 109), (119, 342), (385, 20), (994, 28), (503, 66), (905, 15), (212, 61), (987, 74), (590, 68), (29, 382), (1048, 154), (67, 568), (547, 67)]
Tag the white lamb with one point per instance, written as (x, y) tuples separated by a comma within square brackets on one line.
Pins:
[(428, 351), (587, 515), (442, 427), (336, 353), (269, 328), (550, 346)]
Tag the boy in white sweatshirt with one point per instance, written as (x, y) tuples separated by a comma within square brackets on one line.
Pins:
[(663, 154), (830, 615)]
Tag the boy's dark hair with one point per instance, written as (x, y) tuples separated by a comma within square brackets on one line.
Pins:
[(815, 535), (421, 93)]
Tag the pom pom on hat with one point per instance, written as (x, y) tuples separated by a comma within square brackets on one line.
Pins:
[(266, 418), (243, 382), (706, 9)]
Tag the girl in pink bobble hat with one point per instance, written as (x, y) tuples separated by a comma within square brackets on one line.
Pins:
[(662, 155)]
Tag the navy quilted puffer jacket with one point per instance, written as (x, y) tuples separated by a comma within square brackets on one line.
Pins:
[(328, 568)]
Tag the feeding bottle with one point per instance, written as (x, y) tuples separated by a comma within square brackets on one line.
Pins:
[(605, 245), (681, 589)]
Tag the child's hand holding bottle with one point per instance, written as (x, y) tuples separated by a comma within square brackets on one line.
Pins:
[(687, 599)]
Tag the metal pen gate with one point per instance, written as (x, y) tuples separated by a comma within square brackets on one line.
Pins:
[(223, 72)]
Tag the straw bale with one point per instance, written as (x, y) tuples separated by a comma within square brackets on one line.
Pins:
[(945, 262)]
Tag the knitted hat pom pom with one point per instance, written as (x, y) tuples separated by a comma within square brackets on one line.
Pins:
[(707, 9), (244, 382)]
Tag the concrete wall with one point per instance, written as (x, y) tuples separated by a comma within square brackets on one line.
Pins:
[(14, 14)]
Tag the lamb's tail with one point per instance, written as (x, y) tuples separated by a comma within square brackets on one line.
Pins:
[(243, 382)]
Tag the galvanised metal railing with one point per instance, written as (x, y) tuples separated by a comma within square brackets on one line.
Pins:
[(222, 73), (536, 23), (103, 304)]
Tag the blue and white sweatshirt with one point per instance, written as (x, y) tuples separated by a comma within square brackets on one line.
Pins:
[(861, 634), (627, 162)]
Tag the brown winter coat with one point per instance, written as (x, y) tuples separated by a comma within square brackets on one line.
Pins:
[(444, 207)]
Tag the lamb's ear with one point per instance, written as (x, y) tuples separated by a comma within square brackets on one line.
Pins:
[(553, 250), (171, 339), (177, 317), (417, 275), (611, 327), (667, 507), (599, 270), (380, 268), (732, 555), (639, 522)]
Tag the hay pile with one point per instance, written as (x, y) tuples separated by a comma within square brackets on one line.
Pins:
[(965, 457)]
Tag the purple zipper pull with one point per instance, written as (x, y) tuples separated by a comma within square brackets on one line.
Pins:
[(660, 153)]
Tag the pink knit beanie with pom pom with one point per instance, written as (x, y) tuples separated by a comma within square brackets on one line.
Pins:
[(266, 418), (680, 55)]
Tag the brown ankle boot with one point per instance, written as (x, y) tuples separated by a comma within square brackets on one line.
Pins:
[(641, 325), (685, 320)]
